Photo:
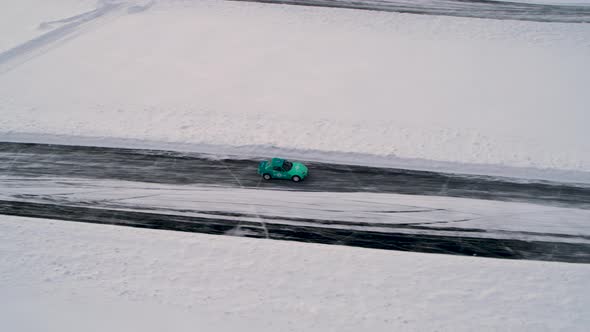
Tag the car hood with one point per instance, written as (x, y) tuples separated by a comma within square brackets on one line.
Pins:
[(299, 168)]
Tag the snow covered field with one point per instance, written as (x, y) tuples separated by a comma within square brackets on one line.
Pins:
[(454, 94), (498, 93), (59, 276)]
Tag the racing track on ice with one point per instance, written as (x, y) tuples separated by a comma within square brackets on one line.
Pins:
[(370, 207)]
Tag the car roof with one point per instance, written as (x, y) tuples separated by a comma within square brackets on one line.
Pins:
[(277, 162)]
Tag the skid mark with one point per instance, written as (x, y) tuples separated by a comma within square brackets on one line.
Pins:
[(252, 207), (428, 243), (260, 221)]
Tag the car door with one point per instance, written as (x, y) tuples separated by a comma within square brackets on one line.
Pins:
[(277, 173)]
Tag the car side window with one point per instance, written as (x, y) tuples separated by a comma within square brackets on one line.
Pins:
[(287, 166)]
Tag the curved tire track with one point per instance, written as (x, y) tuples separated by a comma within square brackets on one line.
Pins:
[(425, 243)]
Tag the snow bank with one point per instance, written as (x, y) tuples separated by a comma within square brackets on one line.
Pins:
[(62, 276), (442, 89)]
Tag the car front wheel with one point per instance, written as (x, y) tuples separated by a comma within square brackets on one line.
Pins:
[(296, 178), (266, 176)]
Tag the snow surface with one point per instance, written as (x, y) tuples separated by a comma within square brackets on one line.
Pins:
[(426, 88), (62, 276)]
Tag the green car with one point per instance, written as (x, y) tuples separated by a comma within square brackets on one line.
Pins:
[(278, 168)]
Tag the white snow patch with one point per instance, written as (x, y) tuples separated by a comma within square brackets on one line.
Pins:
[(62, 276)]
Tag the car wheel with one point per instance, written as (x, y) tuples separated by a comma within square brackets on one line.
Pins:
[(267, 177), (296, 178)]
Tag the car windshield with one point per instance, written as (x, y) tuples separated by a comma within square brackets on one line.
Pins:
[(287, 166)]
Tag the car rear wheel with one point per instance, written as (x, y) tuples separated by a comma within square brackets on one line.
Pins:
[(296, 178), (267, 177)]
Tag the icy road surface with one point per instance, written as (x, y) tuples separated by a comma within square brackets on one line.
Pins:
[(338, 204), (169, 167)]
